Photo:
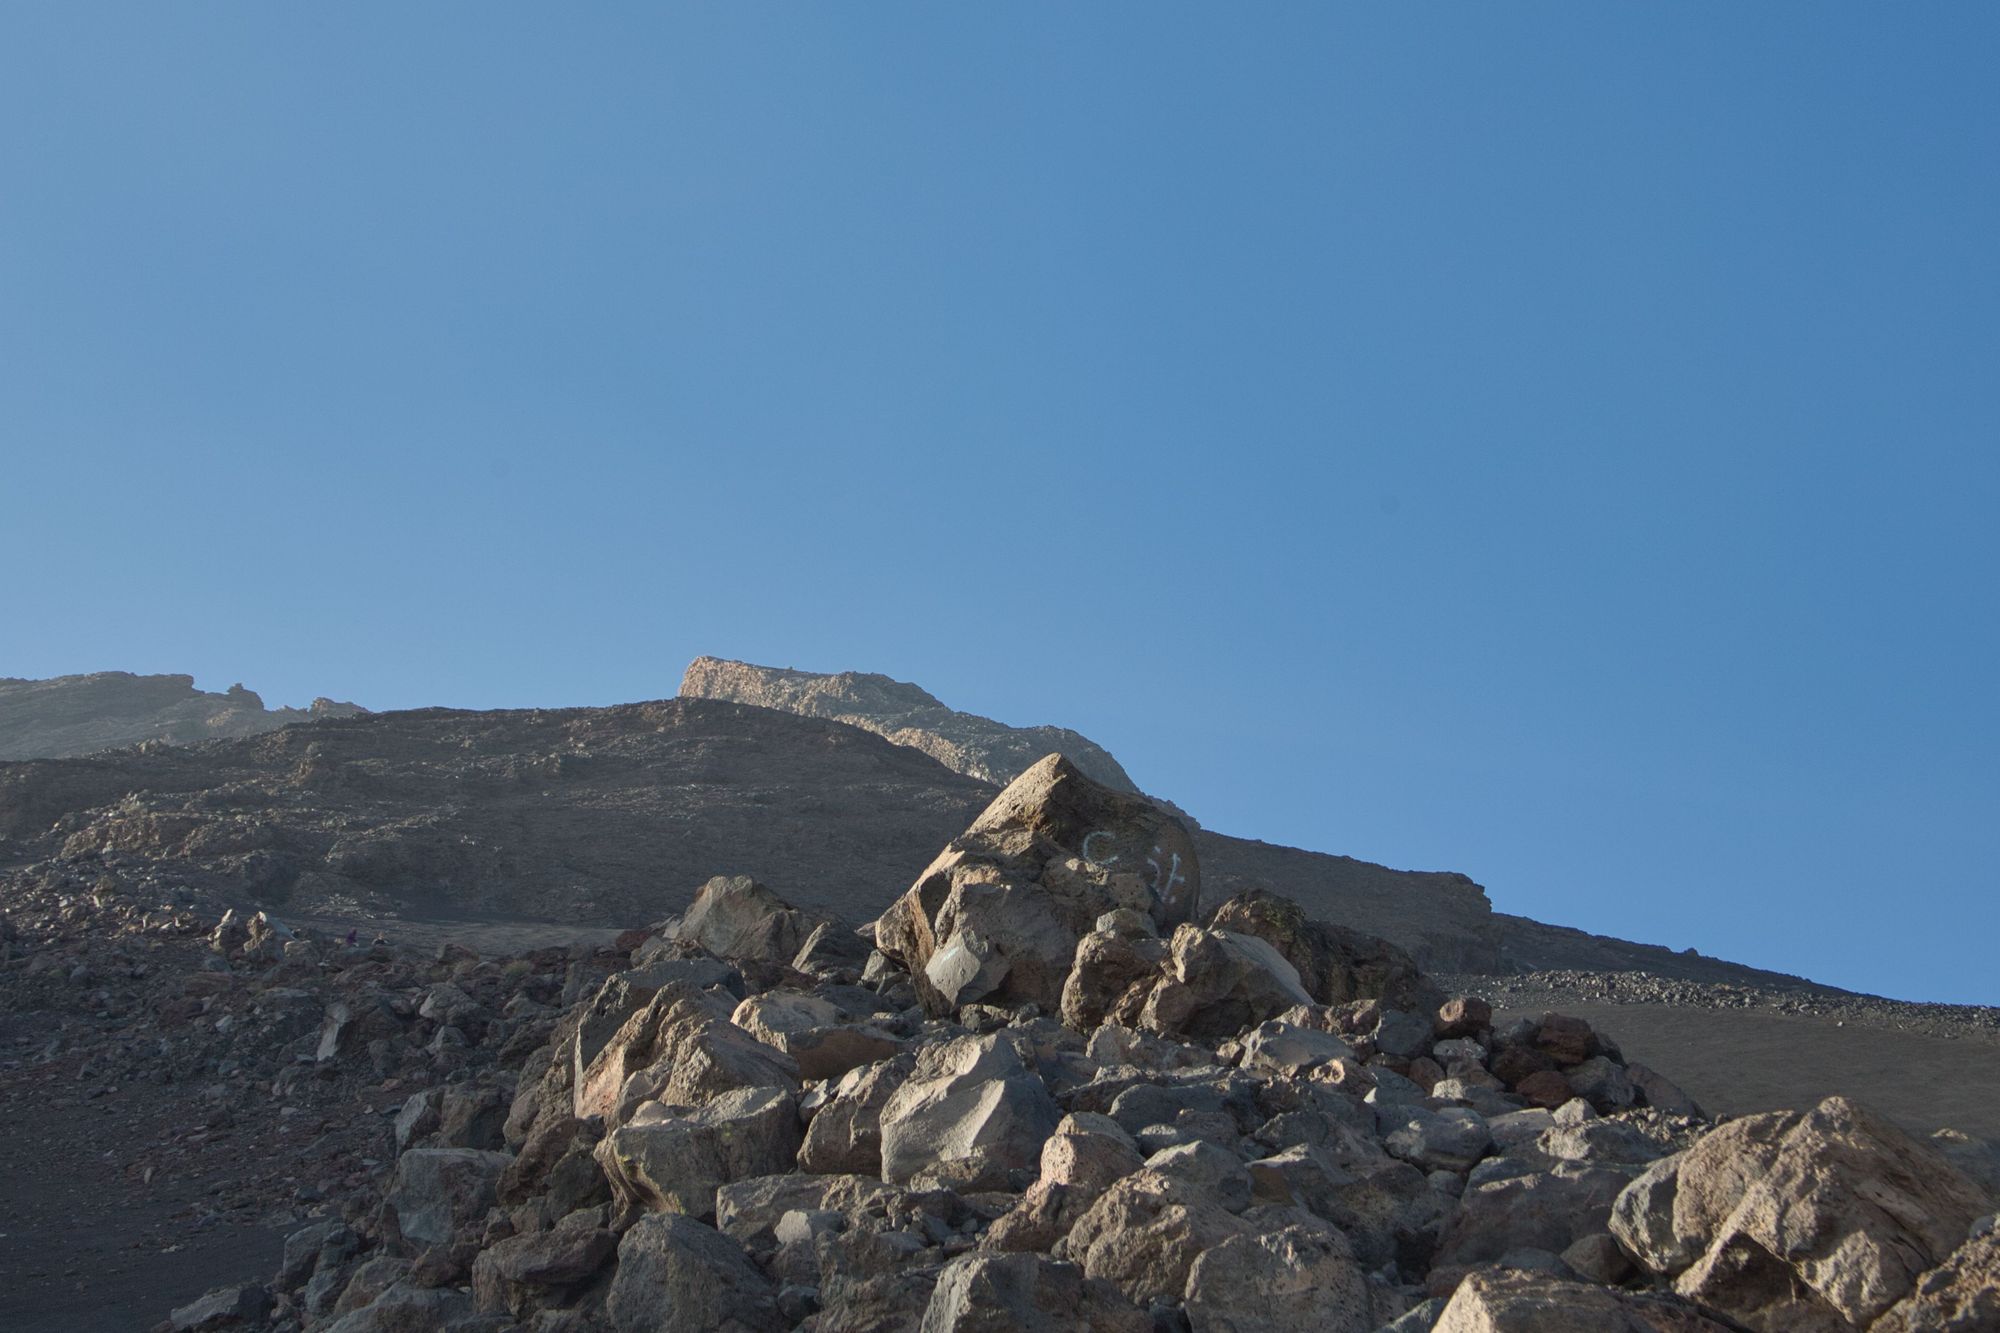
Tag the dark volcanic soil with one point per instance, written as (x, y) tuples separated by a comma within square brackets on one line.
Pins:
[(1739, 1049)]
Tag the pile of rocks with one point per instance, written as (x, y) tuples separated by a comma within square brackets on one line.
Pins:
[(1042, 1092)]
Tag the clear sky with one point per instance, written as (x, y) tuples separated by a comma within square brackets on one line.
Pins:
[(1550, 441)]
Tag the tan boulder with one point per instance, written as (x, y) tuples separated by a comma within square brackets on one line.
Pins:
[(677, 1050), (845, 1133), (1821, 1221), (670, 1160), (996, 917), (1144, 1234)]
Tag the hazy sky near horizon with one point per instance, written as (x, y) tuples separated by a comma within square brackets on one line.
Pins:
[(1555, 442)]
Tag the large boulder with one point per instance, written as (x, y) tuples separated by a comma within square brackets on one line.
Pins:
[(1509, 1301), (1025, 1293), (1545, 1210), (1821, 1221), (1300, 1279), (970, 1116), (1217, 984), (817, 1033), (677, 1049), (733, 916), (677, 1276), (225, 1307), (436, 1192), (845, 1133), (623, 994), (1144, 1234), (1114, 969), (1334, 964), (996, 917), (520, 1272), (672, 1160), (749, 1211), (406, 1308)]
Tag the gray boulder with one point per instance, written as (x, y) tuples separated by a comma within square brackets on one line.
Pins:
[(676, 1275), (845, 1133), (1025, 1293), (225, 1307), (970, 1116), (514, 1275), (1295, 1280), (1452, 1139), (437, 1192)]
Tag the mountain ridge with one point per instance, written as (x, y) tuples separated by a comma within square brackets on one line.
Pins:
[(68, 716)]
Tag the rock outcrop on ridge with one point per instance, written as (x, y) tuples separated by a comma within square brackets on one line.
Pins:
[(1235, 1119), (907, 714), (107, 710)]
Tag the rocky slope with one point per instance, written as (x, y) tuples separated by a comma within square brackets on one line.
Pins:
[(106, 710), (588, 815), (907, 714), (602, 815), (1044, 1090)]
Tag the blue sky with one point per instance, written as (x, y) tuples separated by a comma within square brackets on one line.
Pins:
[(1553, 442)]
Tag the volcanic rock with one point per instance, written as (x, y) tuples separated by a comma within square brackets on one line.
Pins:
[(1508, 1301), (970, 1115), (664, 1159), (675, 1275), (1000, 911), (1821, 1221)]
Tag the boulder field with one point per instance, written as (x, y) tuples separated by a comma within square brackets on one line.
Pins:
[(1044, 1092)]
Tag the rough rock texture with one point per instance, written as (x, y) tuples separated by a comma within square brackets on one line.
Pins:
[(1961, 1295), (908, 715), (1816, 1221), (107, 710), (679, 1051), (1510, 1301), (997, 916), (970, 1116), (1220, 1166), (1334, 964), (677, 1276), (733, 916), (437, 1191), (1145, 1232), (1024, 1293), (667, 1161), (1298, 1280)]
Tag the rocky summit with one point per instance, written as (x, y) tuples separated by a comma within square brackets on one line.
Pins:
[(1046, 1089), (907, 714)]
